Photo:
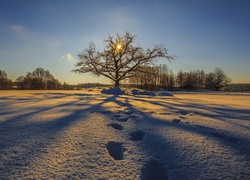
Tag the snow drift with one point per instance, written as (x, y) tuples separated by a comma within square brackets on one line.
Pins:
[(113, 90)]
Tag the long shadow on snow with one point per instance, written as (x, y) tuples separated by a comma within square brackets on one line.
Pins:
[(31, 138), (160, 148), (186, 127), (25, 134), (220, 113)]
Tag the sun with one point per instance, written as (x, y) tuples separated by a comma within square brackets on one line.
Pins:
[(118, 46)]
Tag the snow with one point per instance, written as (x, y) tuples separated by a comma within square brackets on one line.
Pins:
[(113, 90), (149, 93), (164, 93), (140, 92), (86, 134)]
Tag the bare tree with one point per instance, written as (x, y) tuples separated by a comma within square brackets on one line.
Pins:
[(180, 79), (5, 83), (220, 79), (171, 83), (163, 76), (38, 79), (209, 81), (20, 82), (201, 76), (119, 58)]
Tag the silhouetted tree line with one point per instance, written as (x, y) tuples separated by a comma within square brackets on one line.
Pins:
[(39, 79), (91, 85), (161, 77), (5, 83), (243, 87), (149, 78)]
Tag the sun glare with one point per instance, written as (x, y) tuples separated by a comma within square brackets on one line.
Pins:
[(118, 46)]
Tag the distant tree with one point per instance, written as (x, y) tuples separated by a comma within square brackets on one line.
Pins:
[(192, 80), (38, 79), (66, 86), (3, 75), (119, 58), (5, 83), (163, 76), (3, 79), (201, 76), (180, 79), (20, 82), (149, 77), (53, 84), (209, 81), (28, 81), (189, 82), (220, 79), (171, 83)]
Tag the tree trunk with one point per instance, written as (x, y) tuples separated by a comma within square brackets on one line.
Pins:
[(117, 83)]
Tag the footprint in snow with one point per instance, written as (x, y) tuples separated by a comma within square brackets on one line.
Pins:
[(116, 126), (122, 119), (116, 150), (176, 121), (137, 135)]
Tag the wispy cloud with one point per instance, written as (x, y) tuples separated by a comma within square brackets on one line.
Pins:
[(69, 56), (19, 30)]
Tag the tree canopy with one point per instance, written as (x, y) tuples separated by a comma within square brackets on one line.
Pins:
[(38, 79), (119, 58), (5, 83)]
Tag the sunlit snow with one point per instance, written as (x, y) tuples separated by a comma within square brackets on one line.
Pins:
[(86, 134)]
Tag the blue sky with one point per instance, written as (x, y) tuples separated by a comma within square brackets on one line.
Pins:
[(203, 34)]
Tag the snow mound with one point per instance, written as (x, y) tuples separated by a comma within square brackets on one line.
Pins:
[(138, 92), (164, 93), (150, 93), (113, 90)]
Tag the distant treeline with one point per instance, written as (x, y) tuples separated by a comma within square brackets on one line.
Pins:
[(149, 78), (39, 79), (160, 77), (243, 87)]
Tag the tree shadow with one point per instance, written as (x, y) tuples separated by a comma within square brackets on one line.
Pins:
[(223, 113), (168, 152), (22, 140), (34, 137)]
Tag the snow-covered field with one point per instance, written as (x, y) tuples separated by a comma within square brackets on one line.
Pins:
[(88, 135)]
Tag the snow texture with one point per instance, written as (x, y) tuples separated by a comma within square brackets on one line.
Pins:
[(113, 90), (86, 134), (140, 92), (164, 93)]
